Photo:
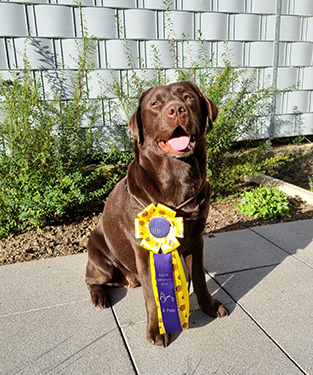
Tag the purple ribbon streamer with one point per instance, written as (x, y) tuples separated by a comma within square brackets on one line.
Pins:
[(166, 289)]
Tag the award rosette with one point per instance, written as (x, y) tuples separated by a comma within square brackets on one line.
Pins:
[(159, 229)]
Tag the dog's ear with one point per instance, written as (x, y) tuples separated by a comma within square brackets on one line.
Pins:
[(135, 126), (207, 104), (212, 111), (135, 123)]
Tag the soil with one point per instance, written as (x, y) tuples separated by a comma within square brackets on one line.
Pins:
[(70, 236), (299, 168)]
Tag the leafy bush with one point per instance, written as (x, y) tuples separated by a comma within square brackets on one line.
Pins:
[(264, 202), (44, 148)]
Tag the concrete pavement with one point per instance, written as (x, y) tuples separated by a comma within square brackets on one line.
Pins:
[(263, 274)]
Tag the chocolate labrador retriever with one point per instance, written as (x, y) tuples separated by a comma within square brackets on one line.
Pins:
[(168, 128)]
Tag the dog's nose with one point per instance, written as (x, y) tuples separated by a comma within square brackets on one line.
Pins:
[(176, 110)]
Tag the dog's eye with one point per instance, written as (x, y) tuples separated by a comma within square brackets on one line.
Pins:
[(187, 97), (154, 103)]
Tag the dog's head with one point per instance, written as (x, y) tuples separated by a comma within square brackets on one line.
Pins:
[(172, 119)]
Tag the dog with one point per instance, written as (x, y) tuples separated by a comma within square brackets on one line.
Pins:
[(169, 167)]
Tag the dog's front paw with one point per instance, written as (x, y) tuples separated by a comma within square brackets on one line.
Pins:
[(214, 309), (222, 311), (99, 296), (154, 337)]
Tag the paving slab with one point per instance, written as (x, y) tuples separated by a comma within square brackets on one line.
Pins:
[(42, 283), (264, 276), (271, 285), (232, 345), (295, 237), (48, 325)]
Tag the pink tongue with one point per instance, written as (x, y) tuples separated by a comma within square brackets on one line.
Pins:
[(179, 140), (179, 143)]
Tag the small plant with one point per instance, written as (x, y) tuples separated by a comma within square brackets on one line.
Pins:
[(264, 202), (298, 140), (310, 178)]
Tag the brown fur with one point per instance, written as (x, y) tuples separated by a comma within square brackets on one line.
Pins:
[(158, 174)]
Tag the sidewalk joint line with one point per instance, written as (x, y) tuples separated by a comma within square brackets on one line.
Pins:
[(281, 248), (247, 269), (221, 286), (42, 308), (272, 339), (132, 360)]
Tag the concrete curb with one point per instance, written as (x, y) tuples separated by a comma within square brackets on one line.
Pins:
[(289, 189)]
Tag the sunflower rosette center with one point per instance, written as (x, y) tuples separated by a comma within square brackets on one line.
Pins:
[(159, 228)]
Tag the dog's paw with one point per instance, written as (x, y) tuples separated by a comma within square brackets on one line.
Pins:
[(157, 339), (215, 309), (222, 311), (99, 296)]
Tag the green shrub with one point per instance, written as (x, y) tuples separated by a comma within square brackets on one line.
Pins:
[(264, 202), (45, 146)]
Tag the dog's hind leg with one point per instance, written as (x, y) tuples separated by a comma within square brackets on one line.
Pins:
[(102, 272), (99, 280), (96, 280)]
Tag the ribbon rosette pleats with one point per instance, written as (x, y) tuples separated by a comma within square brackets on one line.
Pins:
[(159, 229)]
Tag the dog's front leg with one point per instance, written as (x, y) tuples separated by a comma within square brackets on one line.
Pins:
[(143, 268), (194, 262)]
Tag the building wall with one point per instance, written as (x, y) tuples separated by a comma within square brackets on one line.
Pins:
[(274, 35)]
